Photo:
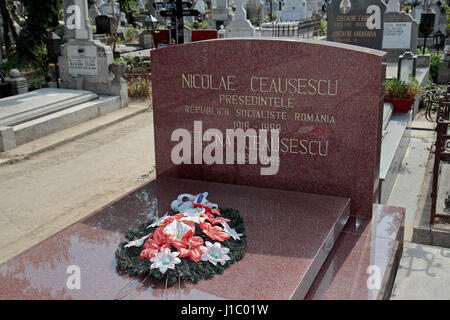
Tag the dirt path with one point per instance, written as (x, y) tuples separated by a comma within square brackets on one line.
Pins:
[(42, 195)]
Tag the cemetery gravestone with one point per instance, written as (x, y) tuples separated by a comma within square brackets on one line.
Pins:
[(291, 236), (255, 11), (240, 26), (293, 10), (399, 34), (356, 22), (85, 64), (440, 21), (393, 6), (330, 116), (221, 14)]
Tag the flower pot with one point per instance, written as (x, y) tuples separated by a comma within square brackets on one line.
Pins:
[(401, 105), (118, 70)]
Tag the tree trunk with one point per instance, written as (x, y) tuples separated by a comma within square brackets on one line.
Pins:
[(6, 38), (7, 18)]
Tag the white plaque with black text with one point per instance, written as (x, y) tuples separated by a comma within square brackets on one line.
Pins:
[(397, 35), (83, 60)]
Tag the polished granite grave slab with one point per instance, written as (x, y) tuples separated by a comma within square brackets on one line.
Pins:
[(365, 247), (289, 237)]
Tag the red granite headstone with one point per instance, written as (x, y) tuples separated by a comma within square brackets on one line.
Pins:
[(325, 97), (199, 35)]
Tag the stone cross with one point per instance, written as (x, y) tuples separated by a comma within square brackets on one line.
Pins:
[(393, 6), (240, 13)]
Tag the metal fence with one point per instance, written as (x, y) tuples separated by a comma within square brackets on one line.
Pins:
[(139, 83), (302, 29), (442, 144)]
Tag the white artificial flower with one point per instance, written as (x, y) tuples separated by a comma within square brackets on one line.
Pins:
[(165, 260), (177, 228), (138, 242), (215, 253), (194, 214), (231, 232), (181, 206), (197, 219), (158, 221)]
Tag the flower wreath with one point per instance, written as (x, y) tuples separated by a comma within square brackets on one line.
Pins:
[(197, 242)]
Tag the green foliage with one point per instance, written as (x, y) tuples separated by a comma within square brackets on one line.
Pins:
[(119, 61), (323, 27), (198, 25), (395, 89), (419, 51), (406, 8), (37, 82), (127, 5), (434, 66), (447, 29), (12, 63), (128, 258), (134, 63), (42, 17), (434, 63), (130, 34), (139, 87)]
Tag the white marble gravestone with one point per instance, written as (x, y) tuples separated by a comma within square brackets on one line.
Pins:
[(311, 7), (221, 14), (393, 6), (240, 26), (255, 11), (85, 64), (293, 10), (399, 33)]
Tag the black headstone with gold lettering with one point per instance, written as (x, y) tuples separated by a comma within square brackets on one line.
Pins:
[(357, 22)]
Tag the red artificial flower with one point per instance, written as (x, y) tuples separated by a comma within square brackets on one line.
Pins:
[(170, 219), (160, 240), (189, 248), (213, 219), (207, 209), (215, 233), (151, 248)]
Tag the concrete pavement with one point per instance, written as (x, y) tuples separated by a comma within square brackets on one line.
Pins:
[(424, 273)]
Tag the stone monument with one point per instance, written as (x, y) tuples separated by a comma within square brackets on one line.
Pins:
[(221, 14), (299, 245), (293, 10), (255, 11), (18, 83), (240, 26), (400, 32), (291, 95), (85, 63), (356, 22)]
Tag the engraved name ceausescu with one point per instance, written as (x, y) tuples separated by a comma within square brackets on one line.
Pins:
[(276, 93)]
